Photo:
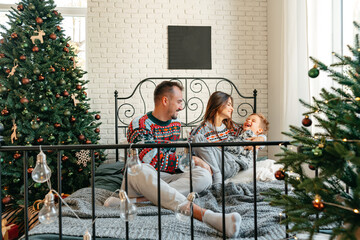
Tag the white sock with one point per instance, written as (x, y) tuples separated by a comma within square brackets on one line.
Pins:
[(232, 222), (112, 202), (115, 201)]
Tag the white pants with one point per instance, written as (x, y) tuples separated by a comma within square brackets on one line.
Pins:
[(173, 187)]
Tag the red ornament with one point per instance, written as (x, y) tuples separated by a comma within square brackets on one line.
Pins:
[(35, 49), (17, 155), (41, 78), (65, 49), (280, 174), (80, 170), (25, 81), (2, 41), (312, 167), (53, 36), (68, 45), (5, 112), (24, 100), (57, 95), (2, 55), (71, 59), (85, 93), (22, 57), (57, 125), (30, 169), (38, 119), (63, 69), (20, 7), (14, 35), (64, 158), (65, 93), (52, 69), (39, 20), (55, 12), (78, 87), (6, 199), (96, 154), (7, 71), (81, 137), (97, 117), (97, 130), (88, 141), (58, 28), (72, 119), (40, 140), (306, 121)]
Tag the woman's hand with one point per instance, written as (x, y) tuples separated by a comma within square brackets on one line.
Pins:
[(254, 139), (201, 163)]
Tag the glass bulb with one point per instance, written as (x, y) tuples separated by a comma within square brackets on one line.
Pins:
[(48, 212), (41, 172), (183, 211), (133, 164), (127, 209), (87, 235), (184, 159)]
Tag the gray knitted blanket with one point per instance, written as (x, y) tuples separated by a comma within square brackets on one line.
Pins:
[(238, 197)]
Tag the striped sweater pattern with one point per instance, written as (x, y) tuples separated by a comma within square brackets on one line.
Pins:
[(149, 129)]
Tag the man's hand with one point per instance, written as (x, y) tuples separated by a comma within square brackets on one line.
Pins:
[(201, 163), (254, 139)]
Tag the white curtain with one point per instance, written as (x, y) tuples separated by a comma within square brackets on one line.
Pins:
[(296, 84)]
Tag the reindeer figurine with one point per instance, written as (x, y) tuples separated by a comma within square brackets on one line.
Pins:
[(13, 69), (13, 135), (40, 35)]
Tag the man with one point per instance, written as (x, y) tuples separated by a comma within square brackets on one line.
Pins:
[(159, 126)]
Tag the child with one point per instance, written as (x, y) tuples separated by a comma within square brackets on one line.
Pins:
[(254, 125)]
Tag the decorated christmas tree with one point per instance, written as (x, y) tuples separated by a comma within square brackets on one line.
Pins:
[(331, 199), (43, 101)]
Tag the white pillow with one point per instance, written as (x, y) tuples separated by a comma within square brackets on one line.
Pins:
[(265, 171)]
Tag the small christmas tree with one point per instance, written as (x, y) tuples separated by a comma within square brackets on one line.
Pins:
[(331, 199), (43, 100)]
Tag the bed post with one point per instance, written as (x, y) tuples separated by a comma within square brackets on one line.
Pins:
[(255, 94), (116, 126)]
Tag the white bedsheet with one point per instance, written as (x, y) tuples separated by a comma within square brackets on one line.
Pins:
[(265, 171)]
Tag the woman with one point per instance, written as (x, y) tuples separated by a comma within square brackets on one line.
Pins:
[(218, 126)]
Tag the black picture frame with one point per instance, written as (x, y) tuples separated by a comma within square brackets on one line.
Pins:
[(189, 47)]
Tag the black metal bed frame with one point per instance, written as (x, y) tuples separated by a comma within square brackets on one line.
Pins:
[(125, 111), (92, 148)]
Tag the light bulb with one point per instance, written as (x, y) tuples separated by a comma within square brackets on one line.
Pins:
[(127, 209), (87, 235), (183, 211), (133, 164), (184, 159), (41, 172), (48, 212)]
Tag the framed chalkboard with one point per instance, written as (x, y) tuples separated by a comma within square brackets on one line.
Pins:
[(189, 47)]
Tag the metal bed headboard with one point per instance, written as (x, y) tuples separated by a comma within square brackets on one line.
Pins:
[(195, 90)]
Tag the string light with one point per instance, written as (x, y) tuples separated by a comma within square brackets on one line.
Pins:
[(344, 140), (318, 200), (357, 99)]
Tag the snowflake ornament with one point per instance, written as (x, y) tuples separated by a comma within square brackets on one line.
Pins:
[(83, 157)]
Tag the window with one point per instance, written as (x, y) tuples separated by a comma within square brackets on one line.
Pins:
[(74, 23)]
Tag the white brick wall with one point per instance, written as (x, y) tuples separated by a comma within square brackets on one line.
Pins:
[(127, 41)]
